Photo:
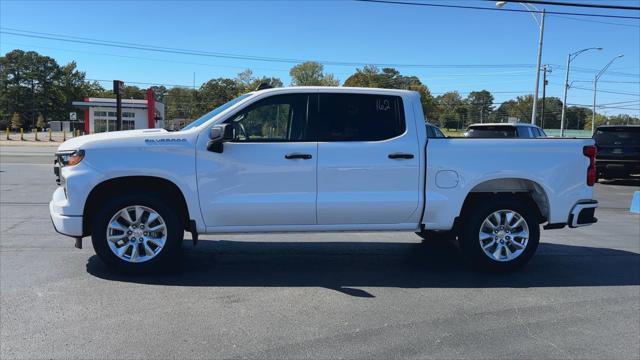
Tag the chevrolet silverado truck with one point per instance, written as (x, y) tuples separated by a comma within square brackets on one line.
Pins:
[(311, 159)]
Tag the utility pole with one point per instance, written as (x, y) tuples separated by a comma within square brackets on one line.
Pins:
[(118, 88), (544, 93), (595, 90), (535, 95), (570, 58), (540, 22)]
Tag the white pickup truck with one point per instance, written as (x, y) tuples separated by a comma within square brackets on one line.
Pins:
[(311, 159)]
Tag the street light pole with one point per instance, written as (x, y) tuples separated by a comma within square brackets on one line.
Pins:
[(533, 10), (535, 94), (595, 90), (570, 57)]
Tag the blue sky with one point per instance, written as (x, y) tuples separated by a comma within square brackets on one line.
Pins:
[(337, 31)]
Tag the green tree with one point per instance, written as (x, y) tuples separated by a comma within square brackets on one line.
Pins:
[(16, 121), (623, 119), (389, 78), (552, 113), (180, 103), (216, 92), (32, 84), (480, 106), (452, 109), (311, 73), (41, 123), (576, 117), (248, 82), (600, 120), (159, 92), (519, 108)]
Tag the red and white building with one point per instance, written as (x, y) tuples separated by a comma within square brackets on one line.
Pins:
[(100, 114)]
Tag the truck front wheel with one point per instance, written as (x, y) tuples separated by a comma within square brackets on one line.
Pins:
[(501, 234), (137, 233)]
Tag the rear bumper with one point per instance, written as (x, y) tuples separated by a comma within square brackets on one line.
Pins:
[(617, 166), (583, 213)]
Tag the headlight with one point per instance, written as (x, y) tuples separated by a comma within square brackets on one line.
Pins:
[(70, 157)]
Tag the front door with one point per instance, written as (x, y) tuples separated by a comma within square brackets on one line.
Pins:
[(267, 175)]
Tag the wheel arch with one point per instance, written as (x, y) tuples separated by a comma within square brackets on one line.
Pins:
[(525, 189), (109, 188)]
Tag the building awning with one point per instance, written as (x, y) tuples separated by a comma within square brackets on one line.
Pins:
[(108, 104)]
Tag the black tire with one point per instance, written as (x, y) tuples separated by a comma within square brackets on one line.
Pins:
[(166, 259), (471, 225)]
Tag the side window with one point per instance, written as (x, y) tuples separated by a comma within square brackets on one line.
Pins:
[(430, 132), (524, 132), (439, 133), (359, 117), (275, 119)]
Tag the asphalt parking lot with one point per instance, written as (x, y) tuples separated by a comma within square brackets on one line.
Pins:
[(359, 295)]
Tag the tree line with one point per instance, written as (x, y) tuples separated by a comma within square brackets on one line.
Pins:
[(35, 89)]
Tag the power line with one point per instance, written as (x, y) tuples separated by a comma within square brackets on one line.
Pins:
[(494, 9), (591, 70), (607, 91), (595, 21), (571, 4), (161, 49), (609, 81)]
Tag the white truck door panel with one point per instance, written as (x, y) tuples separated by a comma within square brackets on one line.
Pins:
[(254, 184), (370, 172), (267, 175)]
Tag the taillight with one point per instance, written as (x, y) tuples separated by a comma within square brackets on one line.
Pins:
[(590, 152)]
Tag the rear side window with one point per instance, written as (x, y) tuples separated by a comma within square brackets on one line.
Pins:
[(359, 117), (439, 133), (430, 132)]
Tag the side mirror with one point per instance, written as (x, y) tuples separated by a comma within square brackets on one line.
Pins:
[(218, 135)]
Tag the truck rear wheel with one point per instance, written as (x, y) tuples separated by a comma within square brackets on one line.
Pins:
[(137, 233), (500, 235)]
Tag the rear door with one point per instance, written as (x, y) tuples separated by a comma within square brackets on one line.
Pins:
[(368, 160)]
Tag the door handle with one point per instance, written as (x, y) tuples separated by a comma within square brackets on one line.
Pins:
[(294, 156), (400, 156)]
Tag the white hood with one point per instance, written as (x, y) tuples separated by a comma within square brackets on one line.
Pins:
[(82, 142)]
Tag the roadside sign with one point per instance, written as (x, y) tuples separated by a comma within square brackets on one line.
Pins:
[(73, 116), (118, 87)]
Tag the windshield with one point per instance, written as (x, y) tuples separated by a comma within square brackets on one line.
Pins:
[(618, 136), (491, 132), (206, 117)]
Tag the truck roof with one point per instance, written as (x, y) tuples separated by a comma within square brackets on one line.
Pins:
[(617, 126), (337, 89), (503, 124)]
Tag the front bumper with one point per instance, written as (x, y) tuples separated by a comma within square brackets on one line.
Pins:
[(64, 224), (583, 213)]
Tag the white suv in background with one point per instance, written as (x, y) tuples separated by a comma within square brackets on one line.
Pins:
[(504, 130)]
